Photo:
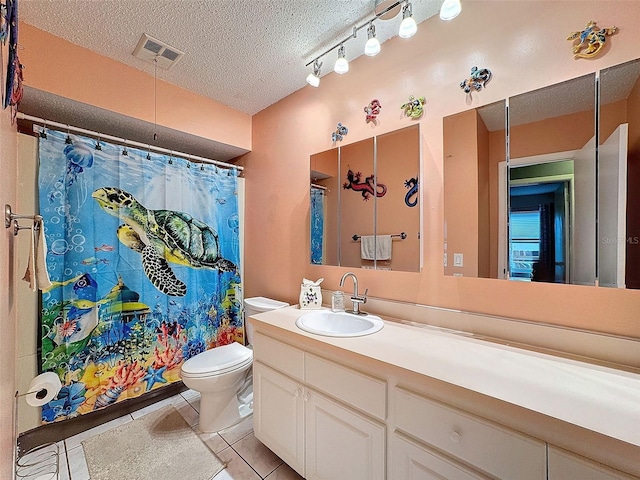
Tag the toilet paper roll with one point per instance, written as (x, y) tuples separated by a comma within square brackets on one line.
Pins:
[(43, 389)]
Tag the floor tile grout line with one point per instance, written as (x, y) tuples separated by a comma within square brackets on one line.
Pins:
[(243, 459)]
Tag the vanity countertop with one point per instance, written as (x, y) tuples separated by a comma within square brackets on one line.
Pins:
[(599, 398)]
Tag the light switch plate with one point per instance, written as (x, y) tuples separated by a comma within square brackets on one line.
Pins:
[(457, 259)]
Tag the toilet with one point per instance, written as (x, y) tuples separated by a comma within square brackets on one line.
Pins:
[(222, 375)]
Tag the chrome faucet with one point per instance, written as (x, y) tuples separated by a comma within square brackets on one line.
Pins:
[(356, 299)]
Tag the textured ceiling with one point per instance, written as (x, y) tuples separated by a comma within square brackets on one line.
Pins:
[(246, 54)]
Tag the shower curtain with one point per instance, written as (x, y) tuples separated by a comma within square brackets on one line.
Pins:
[(317, 225), (143, 254)]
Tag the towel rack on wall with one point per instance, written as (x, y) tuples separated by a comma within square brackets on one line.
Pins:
[(11, 218), (402, 235)]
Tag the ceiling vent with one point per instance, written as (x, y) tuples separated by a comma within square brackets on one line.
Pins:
[(151, 50)]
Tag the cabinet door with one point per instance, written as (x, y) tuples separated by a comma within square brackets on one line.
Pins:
[(567, 466), (340, 443), (413, 461), (278, 415)]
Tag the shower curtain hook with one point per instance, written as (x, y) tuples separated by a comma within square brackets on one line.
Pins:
[(43, 132), (171, 158), (188, 161), (125, 152), (201, 163), (98, 146), (149, 152), (68, 139)]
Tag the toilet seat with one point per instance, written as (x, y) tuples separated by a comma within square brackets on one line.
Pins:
[(218, 361)]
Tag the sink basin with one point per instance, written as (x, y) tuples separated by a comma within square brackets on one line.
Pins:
[(339, 324)]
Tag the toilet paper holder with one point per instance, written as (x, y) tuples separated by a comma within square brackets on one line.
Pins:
[(38, 463)]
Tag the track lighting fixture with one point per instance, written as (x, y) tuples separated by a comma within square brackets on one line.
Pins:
[(385, 9), (408, 27), (313, 79), (342, 65), (450, 9), (372, 47)]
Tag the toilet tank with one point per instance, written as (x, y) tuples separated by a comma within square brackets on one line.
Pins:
[(255, 305)]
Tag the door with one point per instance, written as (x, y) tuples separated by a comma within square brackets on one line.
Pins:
[(278, 415), (340, 443), (612, 208)]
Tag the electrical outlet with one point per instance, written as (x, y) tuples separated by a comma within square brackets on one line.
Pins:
[(445, 259), (457, 260)]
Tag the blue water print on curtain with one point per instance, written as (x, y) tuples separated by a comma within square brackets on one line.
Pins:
[(143, 254), (317, 225)]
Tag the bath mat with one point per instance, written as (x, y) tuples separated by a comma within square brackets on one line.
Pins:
[(159, 446)]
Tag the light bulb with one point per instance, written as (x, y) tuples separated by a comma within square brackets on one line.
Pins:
[(372, 47), (450, 9), (313, 80), (408, 27), (341, 66)]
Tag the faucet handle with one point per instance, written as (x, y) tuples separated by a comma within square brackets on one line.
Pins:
[(364, 295)]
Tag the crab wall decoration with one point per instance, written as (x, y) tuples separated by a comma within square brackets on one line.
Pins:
[(372, 111), (414, 108), (592, 38), (477, 80), (339, 134)]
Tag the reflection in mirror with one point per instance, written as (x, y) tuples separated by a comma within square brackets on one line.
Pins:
[(618, 177), (325, 184), (552, 185), (357, 200), (474, 147), (398, 211), (368, 191)]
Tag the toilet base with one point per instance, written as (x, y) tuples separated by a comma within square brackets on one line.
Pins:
[(215, 416)]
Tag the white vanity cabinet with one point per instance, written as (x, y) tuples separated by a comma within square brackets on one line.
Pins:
[(566, 466), (318, 435)]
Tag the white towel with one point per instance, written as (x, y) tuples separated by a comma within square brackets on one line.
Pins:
[(375, 248), (36, 273)]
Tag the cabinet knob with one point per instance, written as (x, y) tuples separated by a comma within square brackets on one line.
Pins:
[(454, 437), (307, 397), (297, 392)]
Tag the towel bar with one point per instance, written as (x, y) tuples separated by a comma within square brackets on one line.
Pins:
[(402, 235), (11, 218)]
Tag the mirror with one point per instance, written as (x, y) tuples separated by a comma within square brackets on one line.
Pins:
[(552, 184), (618, 176), (365, 209), (474, 146)]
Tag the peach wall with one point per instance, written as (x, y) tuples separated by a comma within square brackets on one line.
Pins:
[(105, 83), (8, 280), (524, 44)]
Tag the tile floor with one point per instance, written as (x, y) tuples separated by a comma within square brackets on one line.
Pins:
[(246, 457)]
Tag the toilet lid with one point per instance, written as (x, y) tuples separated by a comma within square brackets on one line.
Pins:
[(218, 360)]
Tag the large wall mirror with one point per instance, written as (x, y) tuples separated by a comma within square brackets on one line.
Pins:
[(552, 184), (474, 148), (619, 177), (572, 211), (365, 209)]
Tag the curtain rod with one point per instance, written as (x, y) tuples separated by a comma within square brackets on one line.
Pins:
[(126, 142)]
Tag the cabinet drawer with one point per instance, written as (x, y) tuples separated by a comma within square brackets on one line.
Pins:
[(489, 447), (564, 465), (357, 389), (411, 460), (285, 358)]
